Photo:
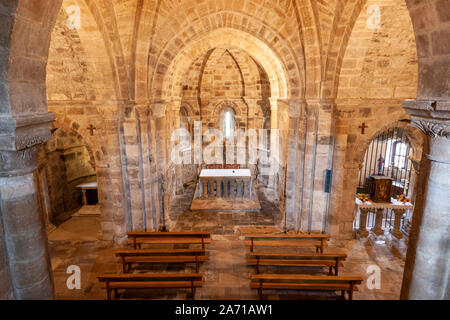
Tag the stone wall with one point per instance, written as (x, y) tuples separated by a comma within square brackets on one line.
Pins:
[(274, 70)]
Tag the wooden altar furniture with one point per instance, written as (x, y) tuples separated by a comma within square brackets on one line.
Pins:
[(380, 188)]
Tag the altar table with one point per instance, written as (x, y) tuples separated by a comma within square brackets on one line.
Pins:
[(226, 183), (363, 208)]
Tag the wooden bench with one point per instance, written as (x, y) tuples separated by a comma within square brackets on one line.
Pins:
[(138, 238), (305, 282), (139, 256), (114, 282), (280, 259), (317, 241)]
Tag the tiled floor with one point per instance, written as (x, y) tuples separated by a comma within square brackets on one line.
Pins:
[(226, 272)]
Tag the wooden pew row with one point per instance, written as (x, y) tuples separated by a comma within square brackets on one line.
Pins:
[(139, 238), (147, 256), (281, 259), (305, 282), (317, 241), (114, 282)]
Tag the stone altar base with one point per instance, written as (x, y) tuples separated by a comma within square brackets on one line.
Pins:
[(88, 211), (220, 205)]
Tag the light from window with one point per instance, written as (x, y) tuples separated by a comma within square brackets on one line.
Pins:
[(397, 154), (400, 155), (228, 125)]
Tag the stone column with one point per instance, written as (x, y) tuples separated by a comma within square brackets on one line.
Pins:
[(174, 110), (427, 264), (246, 193), (25, 237), (110, 178), (378, 222), (204, 187), (294, 161), (225, 187), (274, 143), (363, 222), (219, 187), (159, 112), (396, 232), (84, 197)]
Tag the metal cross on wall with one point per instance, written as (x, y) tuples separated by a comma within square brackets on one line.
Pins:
[(91, 128), (363, 127)]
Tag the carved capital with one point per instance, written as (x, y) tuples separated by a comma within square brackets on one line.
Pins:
[(14, 163), (295, 108), (159, 109), (428, 109), (432, 128), (25, 131), (142, 111)]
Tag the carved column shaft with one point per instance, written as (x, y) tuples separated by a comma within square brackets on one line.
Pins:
[(24, 226), (432, 253), (23, 236), (426, 274), (378, 230), (396, 232), (363, 222)]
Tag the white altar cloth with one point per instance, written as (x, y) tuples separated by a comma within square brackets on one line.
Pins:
[(394, 204), (206, 173), (90, 185)]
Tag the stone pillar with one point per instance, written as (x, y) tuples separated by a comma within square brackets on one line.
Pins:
[(396, 232), (204, 187), (29, 272), (84, 197), (426, 274), (159, 112), (246, 193), (174, 110), (377, 229), (294, 166), (274, 143), (219, 187), (225, 187), (363, 223)]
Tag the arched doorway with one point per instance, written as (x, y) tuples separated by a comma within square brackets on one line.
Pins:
[(65, 162), (390, 155)]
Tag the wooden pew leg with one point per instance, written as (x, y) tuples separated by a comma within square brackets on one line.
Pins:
[(257, 265), (343, 294), (116, 293), (336, 270), (350, 292), (192, 290), (108, 291), (260, 290), (330, 271)]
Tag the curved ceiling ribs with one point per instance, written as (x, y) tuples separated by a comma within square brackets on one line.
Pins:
[(238, 20), (300, 45)]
